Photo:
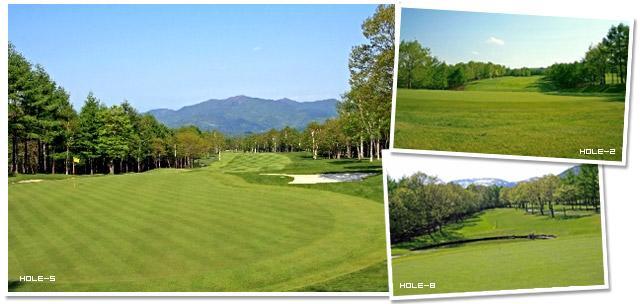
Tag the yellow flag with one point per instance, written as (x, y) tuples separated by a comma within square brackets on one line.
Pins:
[(76, 160)]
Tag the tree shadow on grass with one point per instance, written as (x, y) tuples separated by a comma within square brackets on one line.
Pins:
[(449, 234), (571, 217), (13, 285), (344, 161), (611, 93)]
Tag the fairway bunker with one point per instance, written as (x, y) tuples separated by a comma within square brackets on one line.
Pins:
[(29, 181), (324, 178), (484, 239)]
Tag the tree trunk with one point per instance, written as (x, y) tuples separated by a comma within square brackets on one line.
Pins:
[(66, 161), (14, 156), (175, 154), (371, 150), (313, 145), (44, 157), (25, 161), (361, 151), (39, 156), (111, 167), (378, 149)]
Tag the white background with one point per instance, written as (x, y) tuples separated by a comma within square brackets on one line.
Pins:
[(622, 184)]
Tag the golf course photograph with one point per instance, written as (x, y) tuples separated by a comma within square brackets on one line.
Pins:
[(512, 85), (198, 148), (495, 226)]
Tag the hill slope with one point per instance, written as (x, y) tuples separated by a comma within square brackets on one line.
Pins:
[(243, 114), (507, 84)]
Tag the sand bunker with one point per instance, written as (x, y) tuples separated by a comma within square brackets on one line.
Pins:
[(324, 178), (28, 181)]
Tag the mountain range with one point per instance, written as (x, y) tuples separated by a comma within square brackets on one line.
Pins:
[(242, 114), (487, 181)]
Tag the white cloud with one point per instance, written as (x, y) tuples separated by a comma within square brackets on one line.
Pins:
[(257, 48), (475, 53), (494, 40)]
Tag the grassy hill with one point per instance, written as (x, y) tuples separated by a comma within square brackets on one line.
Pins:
[(574, 258), (218, 228), (506, 84), (510, 115)]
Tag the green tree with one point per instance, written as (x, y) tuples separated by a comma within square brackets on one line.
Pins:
[(371, 78), (89, 125), (413, 64), (113, 136), (456, 78)]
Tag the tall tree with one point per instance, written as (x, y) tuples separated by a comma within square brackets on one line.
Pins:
[(414, 62), (89, 124), (113, 136), (617, 43), (19, 120), (371, 80)]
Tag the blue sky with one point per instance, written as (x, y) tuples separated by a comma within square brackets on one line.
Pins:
[(397, 166), (512, 40), (168, 56)]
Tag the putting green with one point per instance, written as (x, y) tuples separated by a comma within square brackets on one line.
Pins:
[(574, 258), (510, 115), (189, 230)]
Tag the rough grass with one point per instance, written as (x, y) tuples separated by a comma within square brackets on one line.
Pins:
[(205, 229), (502, 116), (574, 258)]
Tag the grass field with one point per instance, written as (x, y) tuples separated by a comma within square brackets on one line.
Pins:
[(219, 228), (574, 258), (510, 115)]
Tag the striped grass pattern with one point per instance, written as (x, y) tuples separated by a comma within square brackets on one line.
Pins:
[(188, 230)]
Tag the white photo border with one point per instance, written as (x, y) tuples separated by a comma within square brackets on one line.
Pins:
[(603, 233), (4, 12), (427, 6)]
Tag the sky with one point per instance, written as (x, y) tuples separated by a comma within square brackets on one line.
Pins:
[(169, 56), (447, 168), (512, 40)]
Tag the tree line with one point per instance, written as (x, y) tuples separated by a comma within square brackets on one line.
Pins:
[(422, 204), (335, 138), (419, 69), (581, 190), (608, 57), (47, 135)]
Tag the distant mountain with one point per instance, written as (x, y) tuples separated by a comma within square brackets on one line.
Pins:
[(484, 182), (242, 114), (574, 169), (503, 183)]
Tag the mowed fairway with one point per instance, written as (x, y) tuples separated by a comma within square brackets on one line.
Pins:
[(510, 115), (574, 258), (206, 229)]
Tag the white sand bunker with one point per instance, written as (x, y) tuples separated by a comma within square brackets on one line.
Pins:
[(324, 178), (28, 181)]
